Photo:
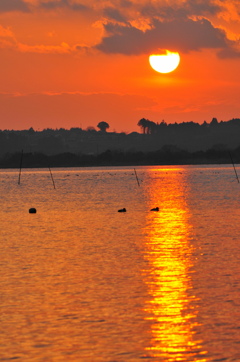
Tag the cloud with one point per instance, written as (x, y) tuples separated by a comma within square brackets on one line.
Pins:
[(182, 34), (229, 53), (125, 3), (63, 48), (165, 9), (114, 14), (147, 26), (7, 39), (6, 33), (54, 4), (13, 5), (202, 7), (79, 7), (187, 9)]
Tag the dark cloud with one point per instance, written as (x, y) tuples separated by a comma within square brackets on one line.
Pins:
[(54, 4), (125, 3), (182, 35), (202, 7), (123, 40), (79, 7), (114, 14), (50, 5), (189, 9), (165, 13), (13, 5), (228, 53)]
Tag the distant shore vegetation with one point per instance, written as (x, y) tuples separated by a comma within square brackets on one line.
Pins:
[(155, 144)]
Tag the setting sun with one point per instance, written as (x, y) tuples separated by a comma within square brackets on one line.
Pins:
[(164, 63)]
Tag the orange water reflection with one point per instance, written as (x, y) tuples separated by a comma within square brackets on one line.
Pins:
[(173, 307)]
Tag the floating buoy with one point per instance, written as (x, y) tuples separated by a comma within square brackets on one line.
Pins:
[(32, 210), (122, 210), (155, 209)]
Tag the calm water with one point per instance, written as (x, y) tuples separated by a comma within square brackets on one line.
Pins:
[(81, 282)]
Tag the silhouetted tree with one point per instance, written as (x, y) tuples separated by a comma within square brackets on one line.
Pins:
[(152, 126), (214, 122), (103, 126), (163, 124), (31, 131), (145, 124), (90, 129)]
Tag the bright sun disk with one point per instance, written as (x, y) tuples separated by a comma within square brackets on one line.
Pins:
[(164, 63)]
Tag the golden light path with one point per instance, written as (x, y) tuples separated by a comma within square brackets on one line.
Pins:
[(164, 63), (173, 306)]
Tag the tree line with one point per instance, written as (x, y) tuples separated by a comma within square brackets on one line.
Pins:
[(150, 127), (153, 137)]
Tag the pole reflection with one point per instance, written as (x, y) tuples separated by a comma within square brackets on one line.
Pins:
[(172, 308)]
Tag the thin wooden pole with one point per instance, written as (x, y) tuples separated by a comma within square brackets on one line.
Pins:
[(136, 177), (234, 167), (52, 177), (20, 168)]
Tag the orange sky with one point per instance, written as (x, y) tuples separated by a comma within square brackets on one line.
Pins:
[(74, 63)]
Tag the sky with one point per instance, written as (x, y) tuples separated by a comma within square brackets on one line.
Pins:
[(75, 63)]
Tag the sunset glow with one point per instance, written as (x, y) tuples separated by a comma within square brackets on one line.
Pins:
[(72, 63)]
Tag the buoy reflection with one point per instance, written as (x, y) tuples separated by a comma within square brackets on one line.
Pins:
[(173, 307)]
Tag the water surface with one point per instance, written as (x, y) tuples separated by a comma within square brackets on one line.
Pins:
[(81, 282)]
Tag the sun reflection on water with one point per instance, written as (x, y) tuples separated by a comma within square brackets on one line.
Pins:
[(173, 307)]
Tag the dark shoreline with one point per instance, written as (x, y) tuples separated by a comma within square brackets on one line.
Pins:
[(119, 158)]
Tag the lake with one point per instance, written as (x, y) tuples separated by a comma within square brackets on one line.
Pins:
[(81, 281)]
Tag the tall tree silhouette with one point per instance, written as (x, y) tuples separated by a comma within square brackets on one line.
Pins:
[(103, 126), (145, 125), (152, 127), (214, 122)]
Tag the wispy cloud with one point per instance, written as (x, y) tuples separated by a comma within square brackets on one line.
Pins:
[(63, 48), (9, 41), (7, 38)]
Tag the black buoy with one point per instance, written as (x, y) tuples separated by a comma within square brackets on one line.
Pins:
[(32, 210), (155, 209), (122, 210)]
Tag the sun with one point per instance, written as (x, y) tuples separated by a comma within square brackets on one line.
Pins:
[(164, 63)]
